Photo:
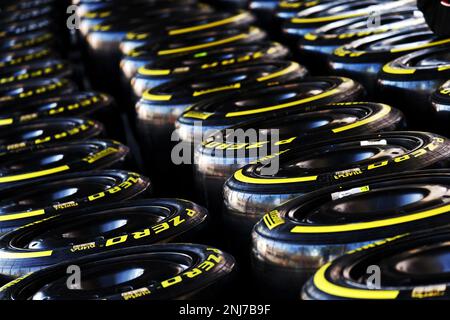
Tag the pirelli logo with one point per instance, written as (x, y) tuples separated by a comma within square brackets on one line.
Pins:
[(273, 220)]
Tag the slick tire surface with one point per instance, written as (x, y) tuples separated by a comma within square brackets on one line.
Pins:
[(170, 271), (97, 229)]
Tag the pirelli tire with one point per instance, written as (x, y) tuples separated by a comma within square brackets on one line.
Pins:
[(159, 108), (94, 105), (170, 271), (39, 88), (15, 15), (316, 47), (230, 110), (167, 69), (103, 39), (24, 56), (49, 68), (185, 24), (216, 161), (294, 240), (67, 193), (287, 9), (409, 81), (38, 162), (17, 28), (440, 108), (28, 40), (192, 43), (97, 229), (49, 131), (309, 19), (248, 194), (363, 59), (345, 278)]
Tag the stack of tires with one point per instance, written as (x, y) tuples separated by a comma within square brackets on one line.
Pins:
[(71, 201), (358, 216), (312, 135)]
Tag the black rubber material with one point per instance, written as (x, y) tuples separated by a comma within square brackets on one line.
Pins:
[(307, 20), (156, 272), (248, 194), (412, 267), (440, 108), (49, 131), (318, 45), (20, 166), (25, 14), (97, 106), (25, 203), (297, 238), (363, 59), (48, 68), (233, 109), (189, 44), (23, 27), (31, 90), (98, 229), (27, 40), (182, 25), (220, 156), (167, 69), (25, 56), (408, 82)]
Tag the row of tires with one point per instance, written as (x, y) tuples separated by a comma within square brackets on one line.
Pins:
[(326, 135), (69, 189)]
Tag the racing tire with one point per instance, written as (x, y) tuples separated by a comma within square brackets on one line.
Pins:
[(63, 194), (168, 274), (294, 240), (97, 229), (416, 280)]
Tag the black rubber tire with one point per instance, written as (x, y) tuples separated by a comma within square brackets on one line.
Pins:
[(437, 14), (25, 56), (363, 59), (218, 113), (316, 47), (288, 9), (294, 240), (28, 165), (98, 229), (103, 40), (416, 280), (24, 203), (177, 271), (48, 68), (309, 19), (440, 103), (248, 194), (213, 164), (184, 25), (44, 132), (25, 14), (409, 81), (156, 117), (189, 44), (17, 28), (32, 90), (168, 69), (95, 105), (28, 40)]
